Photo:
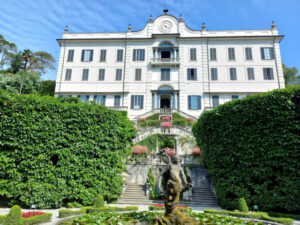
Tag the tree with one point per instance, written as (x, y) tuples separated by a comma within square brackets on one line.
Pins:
[(16, 63), (47, 87), (6, 50), (12, 82), (41, 61), (27, 55), (290, 74)]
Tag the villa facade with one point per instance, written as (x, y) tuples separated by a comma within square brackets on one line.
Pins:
[(167, 65)]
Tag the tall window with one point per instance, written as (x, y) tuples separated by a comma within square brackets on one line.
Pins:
[(137, 101), (120, 55), (118, 74), (267, 53), (68, 74), (215, 100), (250, 72), (138, 74), (234, 97), (213, 54), (192, 74), (87, 55), (193, 54), (268, 74), (214, 73), (100, 99), (101, 74), (85, 74), (117, 100), (165, 74), (70, 55), (194, 102), (231, 54), (138, 54), (248, 52), (233, 74), (102, 55)]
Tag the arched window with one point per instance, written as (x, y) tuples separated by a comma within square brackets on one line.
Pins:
[(165, 45), (165, 88)]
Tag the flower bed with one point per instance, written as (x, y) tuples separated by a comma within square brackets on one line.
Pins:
[(166, 124), (139, 150), (170, 151), (165, 118), (196, 151), (32, 213)]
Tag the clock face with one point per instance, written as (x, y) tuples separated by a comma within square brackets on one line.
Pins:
[(165, 26)]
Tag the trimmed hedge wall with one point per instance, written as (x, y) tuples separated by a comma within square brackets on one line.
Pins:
[(53, 153), (44, 218), (251, 148)]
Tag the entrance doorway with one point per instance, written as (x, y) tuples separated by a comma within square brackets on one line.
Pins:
[(165, 101)]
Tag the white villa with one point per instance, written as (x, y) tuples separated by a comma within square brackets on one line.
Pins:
[(168, 65)]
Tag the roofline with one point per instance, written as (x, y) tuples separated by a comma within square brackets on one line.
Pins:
[(179, 38)]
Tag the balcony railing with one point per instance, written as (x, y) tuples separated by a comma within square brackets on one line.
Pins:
[(118, 108), (175, 62)]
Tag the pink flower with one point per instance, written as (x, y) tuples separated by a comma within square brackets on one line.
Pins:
[(196, 151), (142, 119), (165, 118), (139, 150), (166, 124), (170, 151), (135, 127)]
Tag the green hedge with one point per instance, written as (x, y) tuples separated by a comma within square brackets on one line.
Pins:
[(2, 219), (14, 217), (68, 212), (53, 152), (285, 215), (251, 149), (181, 121), (112, 209), (159, 208), (253, 215), (44, 218)]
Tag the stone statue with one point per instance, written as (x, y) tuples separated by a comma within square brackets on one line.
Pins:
[(170, 183)]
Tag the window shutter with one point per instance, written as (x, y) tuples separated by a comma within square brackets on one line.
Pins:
[(272, 53), (190, 102), (87, 98), (195, 74), (142, 101), (262, 53), (132, 101), (95, 97), (265, 74), (143, 55), (189, 74), (91, 55), (82, 55), (134, 55), (271, 74)]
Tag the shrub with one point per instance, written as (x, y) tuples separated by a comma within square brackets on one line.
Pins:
[(14, 217), (284, 215), (74, 205), (242, 205), (112, 209), (99, 201), (2, 219), (53, 152), (251, 149), (181, 121), (38, 219), (152, 183), (67, 212)]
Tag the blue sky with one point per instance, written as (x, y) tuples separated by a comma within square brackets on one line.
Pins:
[(36, 24)]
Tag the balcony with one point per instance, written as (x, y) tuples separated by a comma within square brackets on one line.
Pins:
[(165, 62)]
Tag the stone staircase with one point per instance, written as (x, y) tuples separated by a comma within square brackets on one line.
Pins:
[(134, 195), (203, 197)]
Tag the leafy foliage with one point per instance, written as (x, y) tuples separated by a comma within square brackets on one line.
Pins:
[(152, 183), (99, 201), (14, 216), (47, 88), (291, 75), (242, 205), (251, 149), (53, 153), (180, 120)]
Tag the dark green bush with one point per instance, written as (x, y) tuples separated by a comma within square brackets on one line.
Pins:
[(53, 153), (44, 218), (242, 205), (14, 217), (74, 205), (251, 149), (68, 212), (99, 201), (285, 215)]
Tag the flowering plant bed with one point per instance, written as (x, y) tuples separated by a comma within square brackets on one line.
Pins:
[(166, 124), (139, 150), (196, 151), (170, 151), (165, 118), (32, 213)]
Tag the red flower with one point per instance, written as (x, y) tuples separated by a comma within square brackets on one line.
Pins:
[(196, 151), (31, 213)]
